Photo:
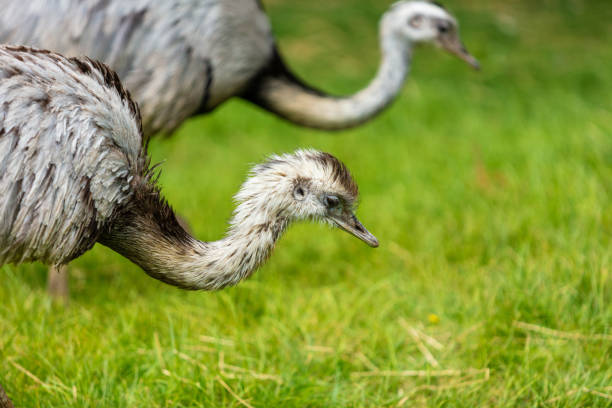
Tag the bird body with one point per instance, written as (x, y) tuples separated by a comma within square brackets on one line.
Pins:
[(180, 58), (69, 146), (75, 172), (177, 57)]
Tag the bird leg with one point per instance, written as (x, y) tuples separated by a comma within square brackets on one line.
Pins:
[(5, 402), (57, 283)]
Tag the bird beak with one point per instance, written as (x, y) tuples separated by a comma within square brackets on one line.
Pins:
[(349, 223), (451, 42)]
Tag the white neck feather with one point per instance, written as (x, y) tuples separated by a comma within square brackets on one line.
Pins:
[(382, 90), (248, 244), (150, 236)]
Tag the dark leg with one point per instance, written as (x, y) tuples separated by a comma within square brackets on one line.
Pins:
[(5, 402), (57, 283)]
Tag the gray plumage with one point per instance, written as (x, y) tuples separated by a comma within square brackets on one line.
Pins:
[(164, 51), (184, 57), (70, 145), (73, 172)]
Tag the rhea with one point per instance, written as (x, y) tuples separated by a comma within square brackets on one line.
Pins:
[(73, 172), (181, 58)]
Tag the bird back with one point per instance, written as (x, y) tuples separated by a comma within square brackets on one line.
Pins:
[(70, 144)]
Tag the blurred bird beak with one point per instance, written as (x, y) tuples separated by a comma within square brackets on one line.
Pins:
[(349, 223), (451, 42)]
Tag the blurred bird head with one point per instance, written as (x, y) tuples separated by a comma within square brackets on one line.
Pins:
[(424, 21)]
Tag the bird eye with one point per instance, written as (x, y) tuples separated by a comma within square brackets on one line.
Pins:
[(416, 21), (332, 201), (443, 27)]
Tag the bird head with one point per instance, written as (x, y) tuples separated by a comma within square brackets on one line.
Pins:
[(424, 21), (306, 185)]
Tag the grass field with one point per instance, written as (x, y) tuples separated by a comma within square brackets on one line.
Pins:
[(490, 194)]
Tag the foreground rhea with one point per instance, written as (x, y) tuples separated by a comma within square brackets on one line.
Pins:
[(180, 58), (73, 172)]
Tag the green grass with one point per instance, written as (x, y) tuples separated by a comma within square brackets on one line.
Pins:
[(490, 193)]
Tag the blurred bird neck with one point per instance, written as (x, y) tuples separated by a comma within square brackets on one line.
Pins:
[(282, 93), (392, 72)]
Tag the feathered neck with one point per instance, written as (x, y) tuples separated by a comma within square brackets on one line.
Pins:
[(280, 92), (147, 232)]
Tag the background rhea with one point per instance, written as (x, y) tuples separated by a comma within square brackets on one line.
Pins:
[(181, 58)]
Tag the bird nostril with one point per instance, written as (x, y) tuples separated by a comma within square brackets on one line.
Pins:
[(359, 228)]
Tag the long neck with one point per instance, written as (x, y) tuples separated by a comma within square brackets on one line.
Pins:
[(282, 93), (149, 234)]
